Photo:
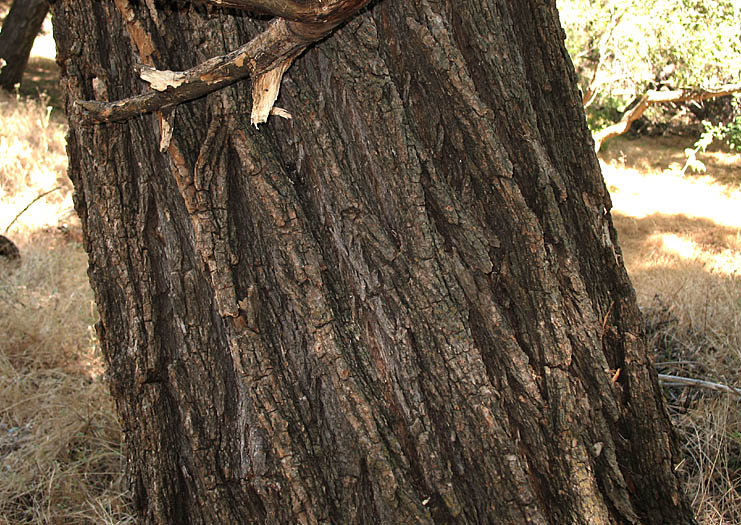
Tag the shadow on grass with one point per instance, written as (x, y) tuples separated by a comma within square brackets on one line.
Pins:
[(42, 77), (641, 236), (656, 154), (687, 273)]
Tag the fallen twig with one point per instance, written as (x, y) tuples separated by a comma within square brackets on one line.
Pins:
[(29, 205), (669, 380)]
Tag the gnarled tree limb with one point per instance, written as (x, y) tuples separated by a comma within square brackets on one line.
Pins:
[(658, 97), (282, 41)]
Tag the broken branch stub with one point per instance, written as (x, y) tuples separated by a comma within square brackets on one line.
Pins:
[(265, 58), (265, 90), (161, 80)]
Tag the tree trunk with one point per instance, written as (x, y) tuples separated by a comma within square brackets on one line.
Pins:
[(404, 305), (21, 25)]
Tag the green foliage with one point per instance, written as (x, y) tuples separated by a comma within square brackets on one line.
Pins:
[(706, 138), (605, 114), (640, 45), (730, 133)]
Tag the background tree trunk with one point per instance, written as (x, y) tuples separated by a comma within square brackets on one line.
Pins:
[(405, 305), (22, 23)]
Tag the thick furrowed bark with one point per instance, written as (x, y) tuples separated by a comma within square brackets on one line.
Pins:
[(405, 305)]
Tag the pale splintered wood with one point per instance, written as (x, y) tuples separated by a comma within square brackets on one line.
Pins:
[(265, 92)]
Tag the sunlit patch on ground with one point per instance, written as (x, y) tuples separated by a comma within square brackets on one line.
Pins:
[(680, 234), (639, 193), (726, 261), (671, 216), (33, 161)]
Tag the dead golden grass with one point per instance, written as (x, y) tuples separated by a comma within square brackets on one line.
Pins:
[(60, 450), (681, 240), (59, 438), (32, 160)]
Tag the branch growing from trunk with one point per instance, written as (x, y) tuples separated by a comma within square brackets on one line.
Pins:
[(660, 97), (299, 25), (307, 11)]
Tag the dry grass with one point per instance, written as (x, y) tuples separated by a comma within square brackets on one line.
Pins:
[(60, 455), (32, 160), (681, 239)]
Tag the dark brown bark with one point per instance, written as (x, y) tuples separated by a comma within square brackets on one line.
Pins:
[(405, 305), (8, 250), (20, 27), (321, 13)]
